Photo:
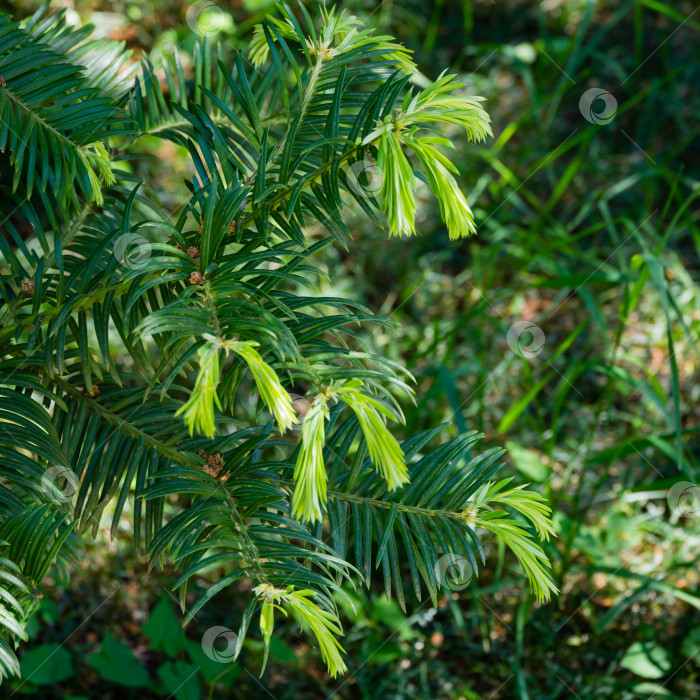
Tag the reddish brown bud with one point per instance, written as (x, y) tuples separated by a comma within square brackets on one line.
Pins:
[(214, 465)]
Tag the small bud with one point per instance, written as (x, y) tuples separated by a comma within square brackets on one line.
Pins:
[(212, 471), (193, 252), (196, 277), (214, 465), (27, 287), (94, 393), (232, 226), (2, 82)]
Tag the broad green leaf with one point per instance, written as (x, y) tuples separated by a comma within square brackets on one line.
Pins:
[(646, 659), (46, 664), (163, 629), (116, 663)]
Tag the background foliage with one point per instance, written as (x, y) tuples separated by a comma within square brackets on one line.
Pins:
[(589, 232)]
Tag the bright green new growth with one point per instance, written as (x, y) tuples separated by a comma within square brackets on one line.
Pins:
[(199, 409), (439, 104), (273, 394), (340, 35), (385, 453), (271, 150), (398, 184), (96, 162), (455, 209), (479, 513), (310, 479), (309, 498), (435, 104), (323, 624), (198, 412)]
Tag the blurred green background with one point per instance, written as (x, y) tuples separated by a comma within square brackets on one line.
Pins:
[(567, 331)]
